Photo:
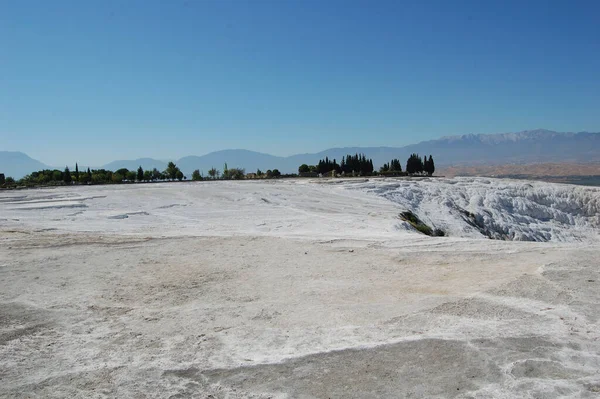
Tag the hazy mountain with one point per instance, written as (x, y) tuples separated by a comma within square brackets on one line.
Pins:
[(531, 146), (145, 163), (16, 164)]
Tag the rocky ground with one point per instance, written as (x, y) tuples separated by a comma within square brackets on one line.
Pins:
[(133, 309)]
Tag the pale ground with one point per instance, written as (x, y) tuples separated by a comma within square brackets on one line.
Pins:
[(296, 289)]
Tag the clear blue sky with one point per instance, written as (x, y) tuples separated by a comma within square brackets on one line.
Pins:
[(94, 81)]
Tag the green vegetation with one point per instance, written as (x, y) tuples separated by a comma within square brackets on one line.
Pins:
[(56, 177), (233, 173), (196, 175), (416, 165), (350, 165), (415, 222), (392, 166), (67, 176), (360, 165)]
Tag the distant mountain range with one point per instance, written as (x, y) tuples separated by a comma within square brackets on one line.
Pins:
[(531, 146)]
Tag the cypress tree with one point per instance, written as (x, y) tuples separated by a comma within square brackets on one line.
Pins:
[(431, 166), (67, 176)]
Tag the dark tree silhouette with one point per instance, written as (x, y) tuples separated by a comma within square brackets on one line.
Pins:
[(156, 175), (357, 164), (430, 166), (414, 164), (67, 176)]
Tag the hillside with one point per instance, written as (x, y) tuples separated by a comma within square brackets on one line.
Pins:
[(532, 146), (17, 164)]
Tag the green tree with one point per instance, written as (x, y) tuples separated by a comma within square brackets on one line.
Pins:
[(76, 174), (213, 173), (140, 173), (305, 169), (179, 175), (89, 175), (84, 177), (67, 176), (414, 164), (171, 171), (276, 173), (259, 173), (9, 181), (196, 176), (123, 172), (156, 175), (147, 175), (117, 177), (236, 173), (350, 165), (430, 166), (225, 171), (2, 179), (131, 175)]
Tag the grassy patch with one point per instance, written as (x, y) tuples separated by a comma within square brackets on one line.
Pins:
[(415, 222)]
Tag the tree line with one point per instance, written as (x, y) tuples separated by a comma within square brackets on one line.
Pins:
[(360, 165), (357, 164), (53, 177), (236, 174), (350, 165), (414, 166), (98, 176)]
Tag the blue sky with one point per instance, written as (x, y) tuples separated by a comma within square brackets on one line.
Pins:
[(105, 80)]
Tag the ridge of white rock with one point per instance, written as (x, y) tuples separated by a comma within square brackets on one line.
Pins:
[(504, 209), (498, 208)]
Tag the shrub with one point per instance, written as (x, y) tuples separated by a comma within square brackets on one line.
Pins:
[(415, 222)]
